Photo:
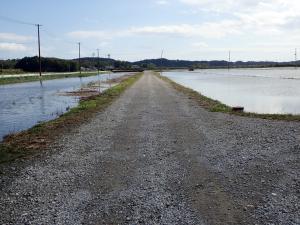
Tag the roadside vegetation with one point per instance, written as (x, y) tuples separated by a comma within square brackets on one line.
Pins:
[(216, 106), (31, 64), (13, 80), (40, 136), (11, 71)]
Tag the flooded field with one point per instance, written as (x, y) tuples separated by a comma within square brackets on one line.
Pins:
[(24, 105), (271, 90)]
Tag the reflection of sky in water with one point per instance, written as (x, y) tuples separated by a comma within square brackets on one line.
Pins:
[(24, 105), (258, 90)]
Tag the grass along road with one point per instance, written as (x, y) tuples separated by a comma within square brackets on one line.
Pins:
[(217, 106), (154, 156), (38, 137)]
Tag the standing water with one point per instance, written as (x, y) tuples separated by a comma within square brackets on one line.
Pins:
[(268, 91), (24, 105)]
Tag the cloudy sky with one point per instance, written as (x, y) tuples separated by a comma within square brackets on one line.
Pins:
[(138, 29)]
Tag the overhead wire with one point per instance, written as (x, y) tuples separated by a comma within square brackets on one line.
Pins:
[(55, 37), (7, 19)]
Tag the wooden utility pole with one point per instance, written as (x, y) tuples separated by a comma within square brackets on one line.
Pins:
[(39, 42), (108, 56), (161, 58), (296, 64), (229, 59), (99, 70), (98, 63), (109, 65), (79, 60), (1, 66)]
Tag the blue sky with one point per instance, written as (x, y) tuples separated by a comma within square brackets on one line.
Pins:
[(137, 29)]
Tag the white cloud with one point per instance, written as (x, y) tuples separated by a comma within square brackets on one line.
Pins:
[(268, 14), (200, 45), (246, 22), (207, 30), (12, 47), (162, 2), (226, 5), (14, 37), (235, 18), (243, 17), (208, 3)]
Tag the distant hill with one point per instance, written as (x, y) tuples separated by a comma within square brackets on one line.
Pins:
[(30, 64), (166, 63)]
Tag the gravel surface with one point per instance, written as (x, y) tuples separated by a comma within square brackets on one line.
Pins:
[(155, 157)]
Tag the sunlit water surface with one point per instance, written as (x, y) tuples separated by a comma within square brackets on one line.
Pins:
[(24, 105), (271, 91)]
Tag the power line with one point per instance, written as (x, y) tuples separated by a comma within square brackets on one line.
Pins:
[(88, 49), (50, 34), (20, 43), (56, 38), (7, 19)]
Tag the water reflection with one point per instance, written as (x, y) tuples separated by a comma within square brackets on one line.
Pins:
[(258, 90), (24, 105)]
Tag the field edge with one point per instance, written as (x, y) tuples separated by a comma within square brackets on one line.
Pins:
[(40, 136), (217, 106)]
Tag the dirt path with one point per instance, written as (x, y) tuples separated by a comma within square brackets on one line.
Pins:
[(155, 157)]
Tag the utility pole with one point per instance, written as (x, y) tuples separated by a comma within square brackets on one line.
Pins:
[(39, 42), (296, 64), (79, 60), (1, 66), (98, 63), (109, 65), (161, 58), (108, 56), (229, 59), (99, 70)]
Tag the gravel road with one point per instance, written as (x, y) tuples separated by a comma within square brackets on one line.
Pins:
[(155, 157)]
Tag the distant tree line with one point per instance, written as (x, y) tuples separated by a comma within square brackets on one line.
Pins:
[(165, 63), (92, 62), (8, 64), (31, 64)]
